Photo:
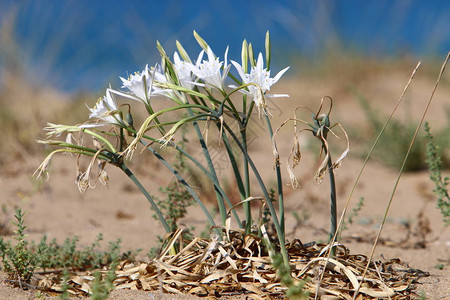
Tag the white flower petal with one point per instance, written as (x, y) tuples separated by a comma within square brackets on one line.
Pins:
[(240, 70), (210, 71), (278, 76), (106, 110), (277, 95), (260, 62)]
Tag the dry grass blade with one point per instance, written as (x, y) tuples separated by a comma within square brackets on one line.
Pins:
[(338, 161), (419, 125), (171, 242), (347, 203), (208, 268)]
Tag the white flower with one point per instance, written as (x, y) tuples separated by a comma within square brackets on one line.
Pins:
[(259, 80), (159, 77), (106, 110), (184, 71), (210, 70), (140, 85)]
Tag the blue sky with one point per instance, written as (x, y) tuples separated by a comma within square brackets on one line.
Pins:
[(80, 44)]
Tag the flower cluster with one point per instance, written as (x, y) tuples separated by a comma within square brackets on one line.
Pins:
[(199, 89), (208, 72)]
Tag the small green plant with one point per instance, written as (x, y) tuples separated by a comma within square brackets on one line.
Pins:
[(354, 213), (21, 260), (65, 286), (301, 218), (68, 255), (395, 140), (295, 290), (435, 166), (266, 213), (103, 286), (18, 262)]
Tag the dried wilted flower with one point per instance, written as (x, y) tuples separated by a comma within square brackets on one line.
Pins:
[(103, 175), (43, 167), (320, 129), (82, 182), (293, 161), (83, 178), (69, 138), (96, 143)]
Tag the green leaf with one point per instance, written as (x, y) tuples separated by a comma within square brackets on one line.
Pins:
[(201, 41), (161, 49), (183, 52)]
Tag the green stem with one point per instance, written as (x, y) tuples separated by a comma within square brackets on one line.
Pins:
[(250, 111), (234, 165), (72, 146), (212, 170), (266, 196), (279, 184), (232, 106), (133, 178), (121, 137), (214, 180), (333, 206), (159, 125), (247, 209), (183, 182)]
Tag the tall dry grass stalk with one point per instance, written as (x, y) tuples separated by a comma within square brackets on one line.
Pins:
[(419, 125)]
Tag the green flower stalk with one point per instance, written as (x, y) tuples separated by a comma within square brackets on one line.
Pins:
[(266, 195), (155, 207), (320, 129), (183, 182)]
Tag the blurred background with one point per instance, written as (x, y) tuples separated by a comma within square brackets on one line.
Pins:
[(85, 45), (65, 53)]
